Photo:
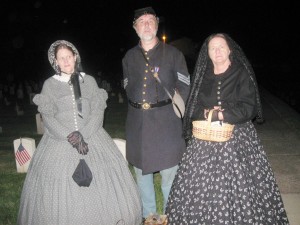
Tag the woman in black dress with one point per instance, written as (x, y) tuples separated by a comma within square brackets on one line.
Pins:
[(225, 182)]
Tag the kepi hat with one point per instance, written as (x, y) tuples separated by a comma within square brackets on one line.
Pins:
[(143, 11)]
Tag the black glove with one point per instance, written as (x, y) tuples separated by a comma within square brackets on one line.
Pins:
[(76, 140)]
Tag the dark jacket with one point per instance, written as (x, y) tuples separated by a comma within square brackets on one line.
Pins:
[(154, 137), (233, 91)]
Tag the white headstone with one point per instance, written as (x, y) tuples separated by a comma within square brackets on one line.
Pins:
[(7, 103), (28, 89), (12, 90), (23, 149), (20, 112), (31, 95), (108, 87), (121, 144), (20, 93), (39, 124), (104, 84), (121, 100)]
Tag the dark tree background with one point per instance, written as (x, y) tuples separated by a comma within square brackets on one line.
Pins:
[(102, 31)]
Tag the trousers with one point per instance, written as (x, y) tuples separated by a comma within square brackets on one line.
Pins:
[(146, 187)]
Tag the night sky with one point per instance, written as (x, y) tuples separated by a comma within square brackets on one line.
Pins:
[(102, 30)]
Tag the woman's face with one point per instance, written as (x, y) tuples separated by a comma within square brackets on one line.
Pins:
[(218, 51), (66, 59)]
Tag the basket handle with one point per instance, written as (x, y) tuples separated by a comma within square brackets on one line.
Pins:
[(210, 116)]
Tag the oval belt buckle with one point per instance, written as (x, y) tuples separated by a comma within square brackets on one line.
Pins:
[(146, 106)]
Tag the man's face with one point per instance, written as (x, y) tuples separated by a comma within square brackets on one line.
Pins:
[(146, 27)]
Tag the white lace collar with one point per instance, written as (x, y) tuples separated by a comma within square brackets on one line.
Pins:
[(65, 77)]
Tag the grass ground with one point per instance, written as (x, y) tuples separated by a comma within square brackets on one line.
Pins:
[(14, 127)]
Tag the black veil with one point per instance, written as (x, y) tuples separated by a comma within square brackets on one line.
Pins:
[(202, 65)]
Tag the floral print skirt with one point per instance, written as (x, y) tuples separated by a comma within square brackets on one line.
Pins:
[(230, 182)]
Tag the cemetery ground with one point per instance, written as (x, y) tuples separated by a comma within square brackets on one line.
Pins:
[(14, 127), (280, 135)]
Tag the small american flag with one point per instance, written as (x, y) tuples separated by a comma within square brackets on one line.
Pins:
[(22, 156)]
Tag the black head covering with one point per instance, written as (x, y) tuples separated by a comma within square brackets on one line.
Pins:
[(140, 12), (201, 68), (74, 78)]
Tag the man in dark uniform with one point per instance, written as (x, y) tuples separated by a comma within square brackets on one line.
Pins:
[(154, 141)]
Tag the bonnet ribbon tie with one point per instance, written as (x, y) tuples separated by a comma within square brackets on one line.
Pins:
[(77, 93)]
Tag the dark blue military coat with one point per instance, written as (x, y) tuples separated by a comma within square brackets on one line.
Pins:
[(154, 136)]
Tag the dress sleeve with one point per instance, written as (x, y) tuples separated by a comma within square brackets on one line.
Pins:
[(98, 106), (46, 107), (244, 107)]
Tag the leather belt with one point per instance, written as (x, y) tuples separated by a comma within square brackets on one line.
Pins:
[(146, 105)]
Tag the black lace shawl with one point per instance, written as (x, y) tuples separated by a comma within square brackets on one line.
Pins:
[(202, 66)]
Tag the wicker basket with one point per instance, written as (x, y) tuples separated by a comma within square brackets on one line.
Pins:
[(204, 130)]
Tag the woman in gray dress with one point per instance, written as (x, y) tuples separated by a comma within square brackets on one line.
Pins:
[(72, 107)]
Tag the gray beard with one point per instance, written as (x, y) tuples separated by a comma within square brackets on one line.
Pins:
[(148, 37)]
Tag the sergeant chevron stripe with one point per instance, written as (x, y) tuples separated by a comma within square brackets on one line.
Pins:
[(183, 78)]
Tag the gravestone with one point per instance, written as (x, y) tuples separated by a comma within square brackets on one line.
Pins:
[(31, 95), (7, 103), (20, 93), (121, 100), (121, 144), (19, 110), (23, 149), (39, 124), (108, 87)]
